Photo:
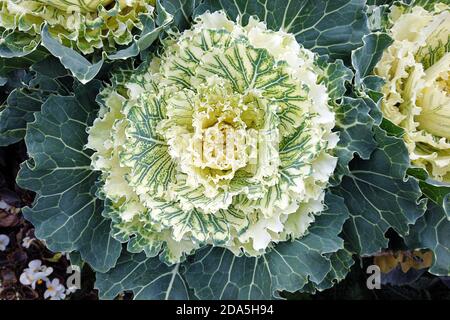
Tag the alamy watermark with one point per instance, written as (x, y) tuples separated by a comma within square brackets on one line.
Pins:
[(73, 282), (374, 279)]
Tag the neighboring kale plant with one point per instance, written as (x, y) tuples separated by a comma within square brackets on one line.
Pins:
[(86, 25), (416, 69), (116, 28), (414, 65)]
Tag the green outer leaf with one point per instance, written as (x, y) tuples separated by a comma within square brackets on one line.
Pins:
[(438, 192), (50, 67), (19, 110), (8, 65), (364, 60), (446, 205), (378, 2), (367, 56), (354, 124), (333, 27), (80, 67), (391, 128), (181, 10), (75, 259), (432, 232), (341, 262), (13, 80), (148, 278), (353, 120), (377, 13), (131, 51), (24, 101), (216, 273), (379, 196), (66, 213), (17, 44)]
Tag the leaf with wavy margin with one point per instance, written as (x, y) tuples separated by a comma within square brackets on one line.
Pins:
[(432, 231), (365, 58), (66, 213), (436, 191), (341, 262), (24, 101), (80, 67), (333, 27), (379, 196), (216, 273), (17, 44), (182, 11), (148, 278)]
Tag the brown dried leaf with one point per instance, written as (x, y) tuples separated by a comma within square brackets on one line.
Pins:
[(387, 261), (417, 260)]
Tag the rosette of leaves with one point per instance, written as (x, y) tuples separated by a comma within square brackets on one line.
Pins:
[(74, 30), (225, 140), (231, 164), (411, 56), (416, 68)]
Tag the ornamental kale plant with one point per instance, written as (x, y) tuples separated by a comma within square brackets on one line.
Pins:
[(225, 140), (417, 68), (230, 149), (86, 25), (112, 29)]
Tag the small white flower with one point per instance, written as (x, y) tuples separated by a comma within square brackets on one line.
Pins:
[(36, 273), (55, 290), (4, 241), (26, 242)]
